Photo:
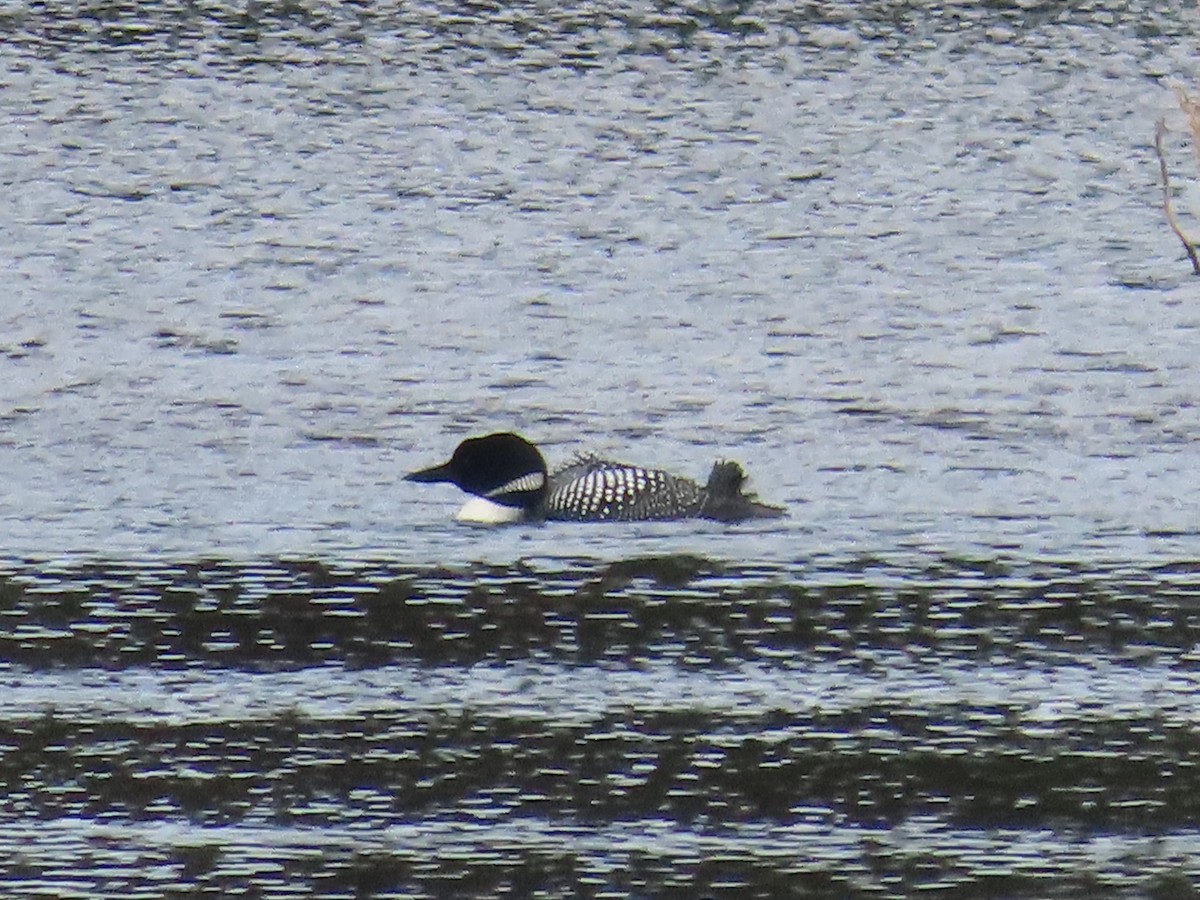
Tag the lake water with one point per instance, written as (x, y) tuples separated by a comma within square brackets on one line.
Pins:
[(906, 263)]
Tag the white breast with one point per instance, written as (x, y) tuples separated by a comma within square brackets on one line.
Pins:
[(481, 511)]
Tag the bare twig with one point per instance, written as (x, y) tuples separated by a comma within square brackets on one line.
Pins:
[(1159, 130), (1191, 109)]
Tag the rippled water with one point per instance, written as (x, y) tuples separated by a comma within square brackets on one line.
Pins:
[(655, 726), (904, 262), (907, 264)]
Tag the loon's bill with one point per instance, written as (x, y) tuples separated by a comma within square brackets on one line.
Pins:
[(509, 481)]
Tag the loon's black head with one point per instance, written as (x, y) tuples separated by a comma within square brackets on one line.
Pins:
[(504, 469)]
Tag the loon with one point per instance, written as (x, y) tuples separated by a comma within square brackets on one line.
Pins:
[(510, 483)]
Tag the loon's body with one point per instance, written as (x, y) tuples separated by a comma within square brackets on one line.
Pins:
[(510, 483)]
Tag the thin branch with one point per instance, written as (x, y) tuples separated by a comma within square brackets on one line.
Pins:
[(1159, 130), (1191, 109)]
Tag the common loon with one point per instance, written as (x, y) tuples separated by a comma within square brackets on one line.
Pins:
[(510, 483)]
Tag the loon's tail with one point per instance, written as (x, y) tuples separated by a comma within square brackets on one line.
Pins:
[(725, 501)]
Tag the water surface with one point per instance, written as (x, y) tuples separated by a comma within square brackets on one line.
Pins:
[(668, 725), (906, 263)]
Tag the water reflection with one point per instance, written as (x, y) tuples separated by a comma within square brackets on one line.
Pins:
[(580, 36), (717, 728)]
